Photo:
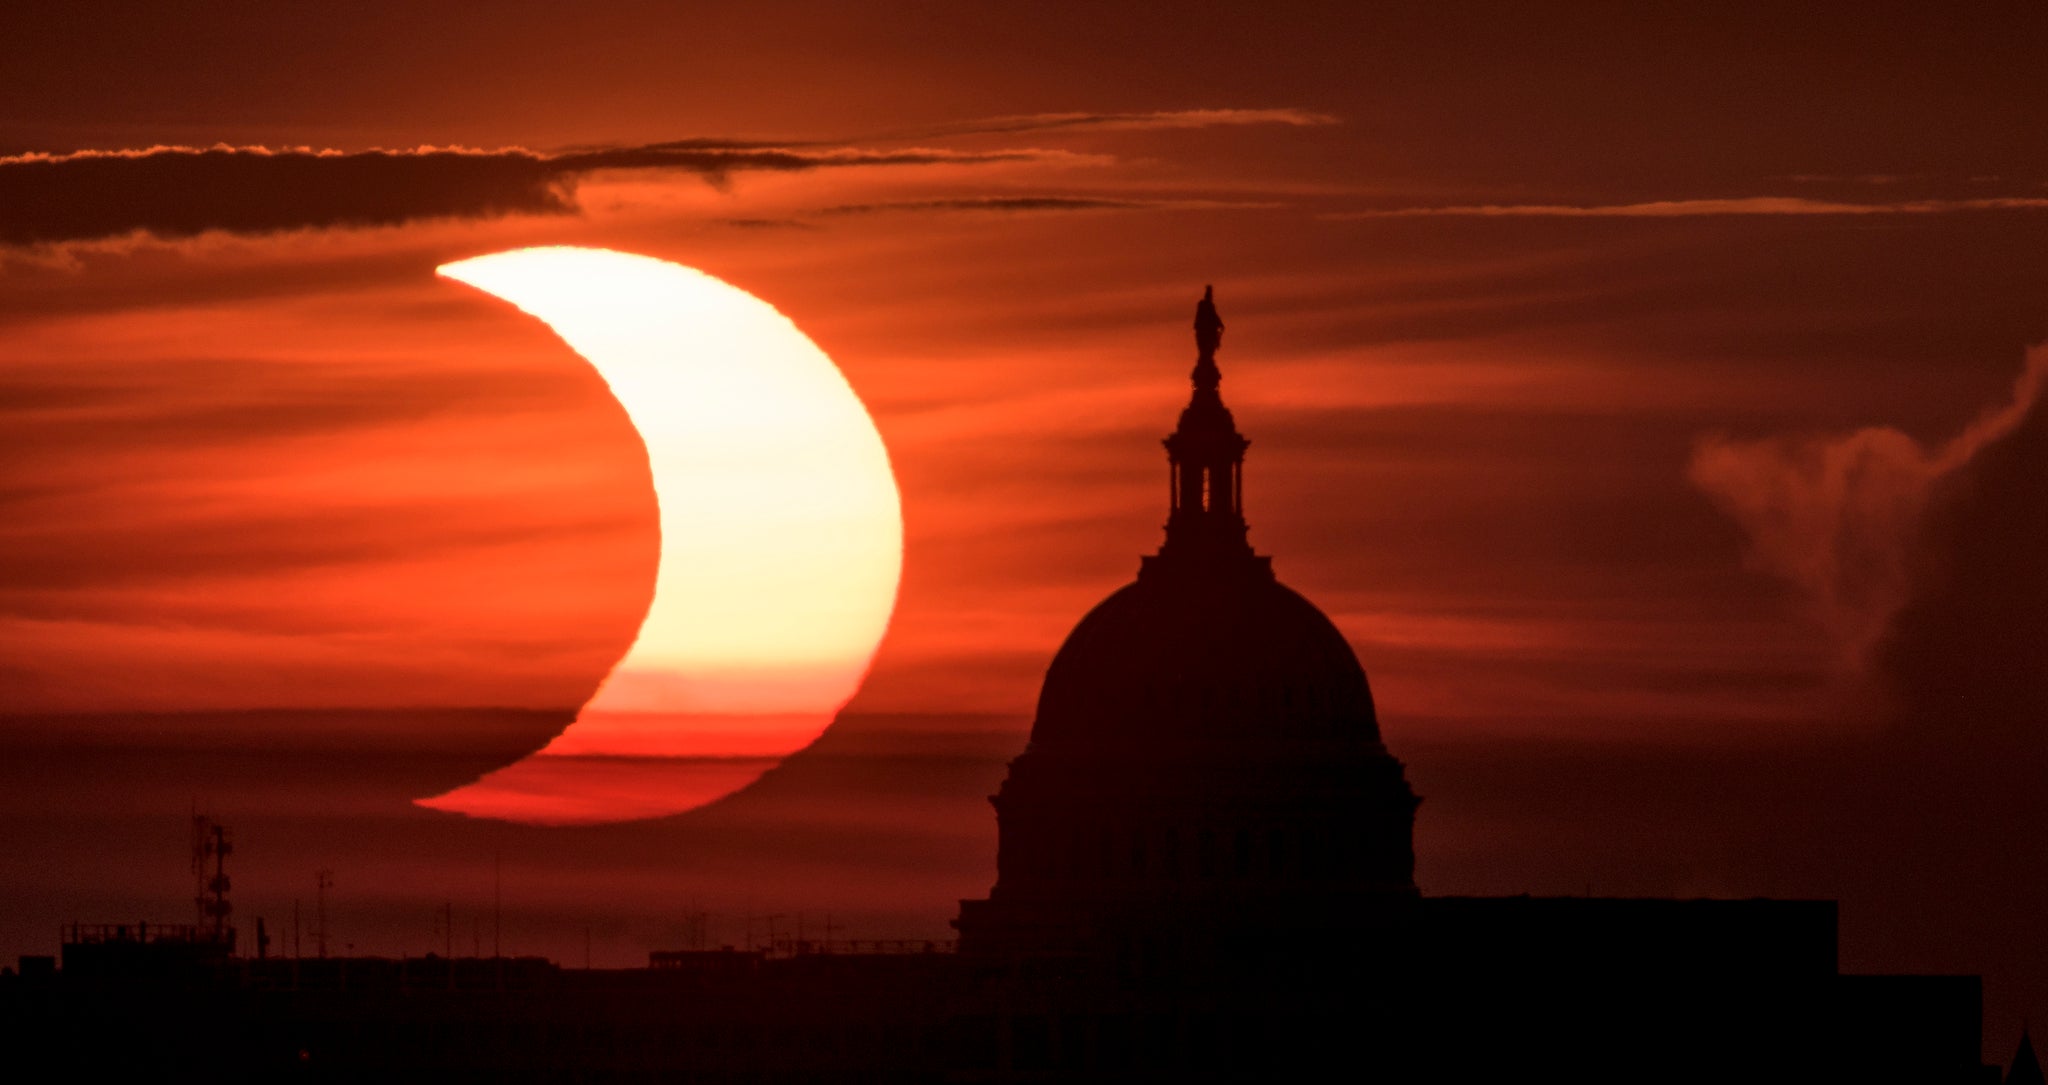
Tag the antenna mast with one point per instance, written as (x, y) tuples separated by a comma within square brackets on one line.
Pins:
[(323, 880), (210, 851)]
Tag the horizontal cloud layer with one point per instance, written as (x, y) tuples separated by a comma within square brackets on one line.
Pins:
[(182, 191)]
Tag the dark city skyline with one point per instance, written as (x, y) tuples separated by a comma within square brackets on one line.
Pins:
[(1205, 871)]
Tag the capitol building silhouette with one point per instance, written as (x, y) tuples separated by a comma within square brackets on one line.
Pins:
[(1205, 872)]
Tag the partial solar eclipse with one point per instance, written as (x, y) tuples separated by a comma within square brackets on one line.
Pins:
[(781, 539)]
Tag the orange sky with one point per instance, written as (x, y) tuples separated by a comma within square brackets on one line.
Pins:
[(1553, 332), (362, 486)]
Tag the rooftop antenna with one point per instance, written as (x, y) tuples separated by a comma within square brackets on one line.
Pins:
[(210, 851), (323, 880), (696, 927), (497, 903)]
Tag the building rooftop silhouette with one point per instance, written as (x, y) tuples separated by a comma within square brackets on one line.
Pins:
[(1205, 871)]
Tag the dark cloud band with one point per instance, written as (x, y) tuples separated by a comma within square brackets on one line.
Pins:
[(177, 192)]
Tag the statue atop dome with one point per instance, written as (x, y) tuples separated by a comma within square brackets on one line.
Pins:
[(1208, 325)]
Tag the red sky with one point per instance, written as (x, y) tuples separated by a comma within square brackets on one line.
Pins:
[(1601, 365)]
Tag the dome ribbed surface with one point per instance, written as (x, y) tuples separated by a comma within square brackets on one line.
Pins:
[(1209, 656)]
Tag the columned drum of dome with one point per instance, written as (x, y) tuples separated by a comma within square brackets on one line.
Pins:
[(1205, 769)]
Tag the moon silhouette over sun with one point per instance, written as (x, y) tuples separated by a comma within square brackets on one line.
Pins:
[(781, 539)]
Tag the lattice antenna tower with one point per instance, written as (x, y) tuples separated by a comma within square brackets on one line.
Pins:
[(210, 850)]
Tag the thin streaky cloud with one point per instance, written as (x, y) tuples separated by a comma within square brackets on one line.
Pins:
[(767, 223), (992, 203), (1743, 205), (1031, 204), (713, 162), (1013, 125), (1000, 205), (1124, 122)]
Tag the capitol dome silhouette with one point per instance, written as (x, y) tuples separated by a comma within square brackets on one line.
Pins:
[(1206, 645), (1205, 743)]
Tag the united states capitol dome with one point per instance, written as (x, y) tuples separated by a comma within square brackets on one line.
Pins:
[(1206, 644), (1205, 748)]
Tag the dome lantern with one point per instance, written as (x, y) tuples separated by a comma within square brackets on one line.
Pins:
[(1205, 522)]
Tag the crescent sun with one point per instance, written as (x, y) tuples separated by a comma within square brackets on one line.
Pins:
[(781, 539)]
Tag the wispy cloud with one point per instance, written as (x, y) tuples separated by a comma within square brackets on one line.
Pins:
[(1032, 204), (992, 203), (1158, 119), (1741, 205), (1838, 516)]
